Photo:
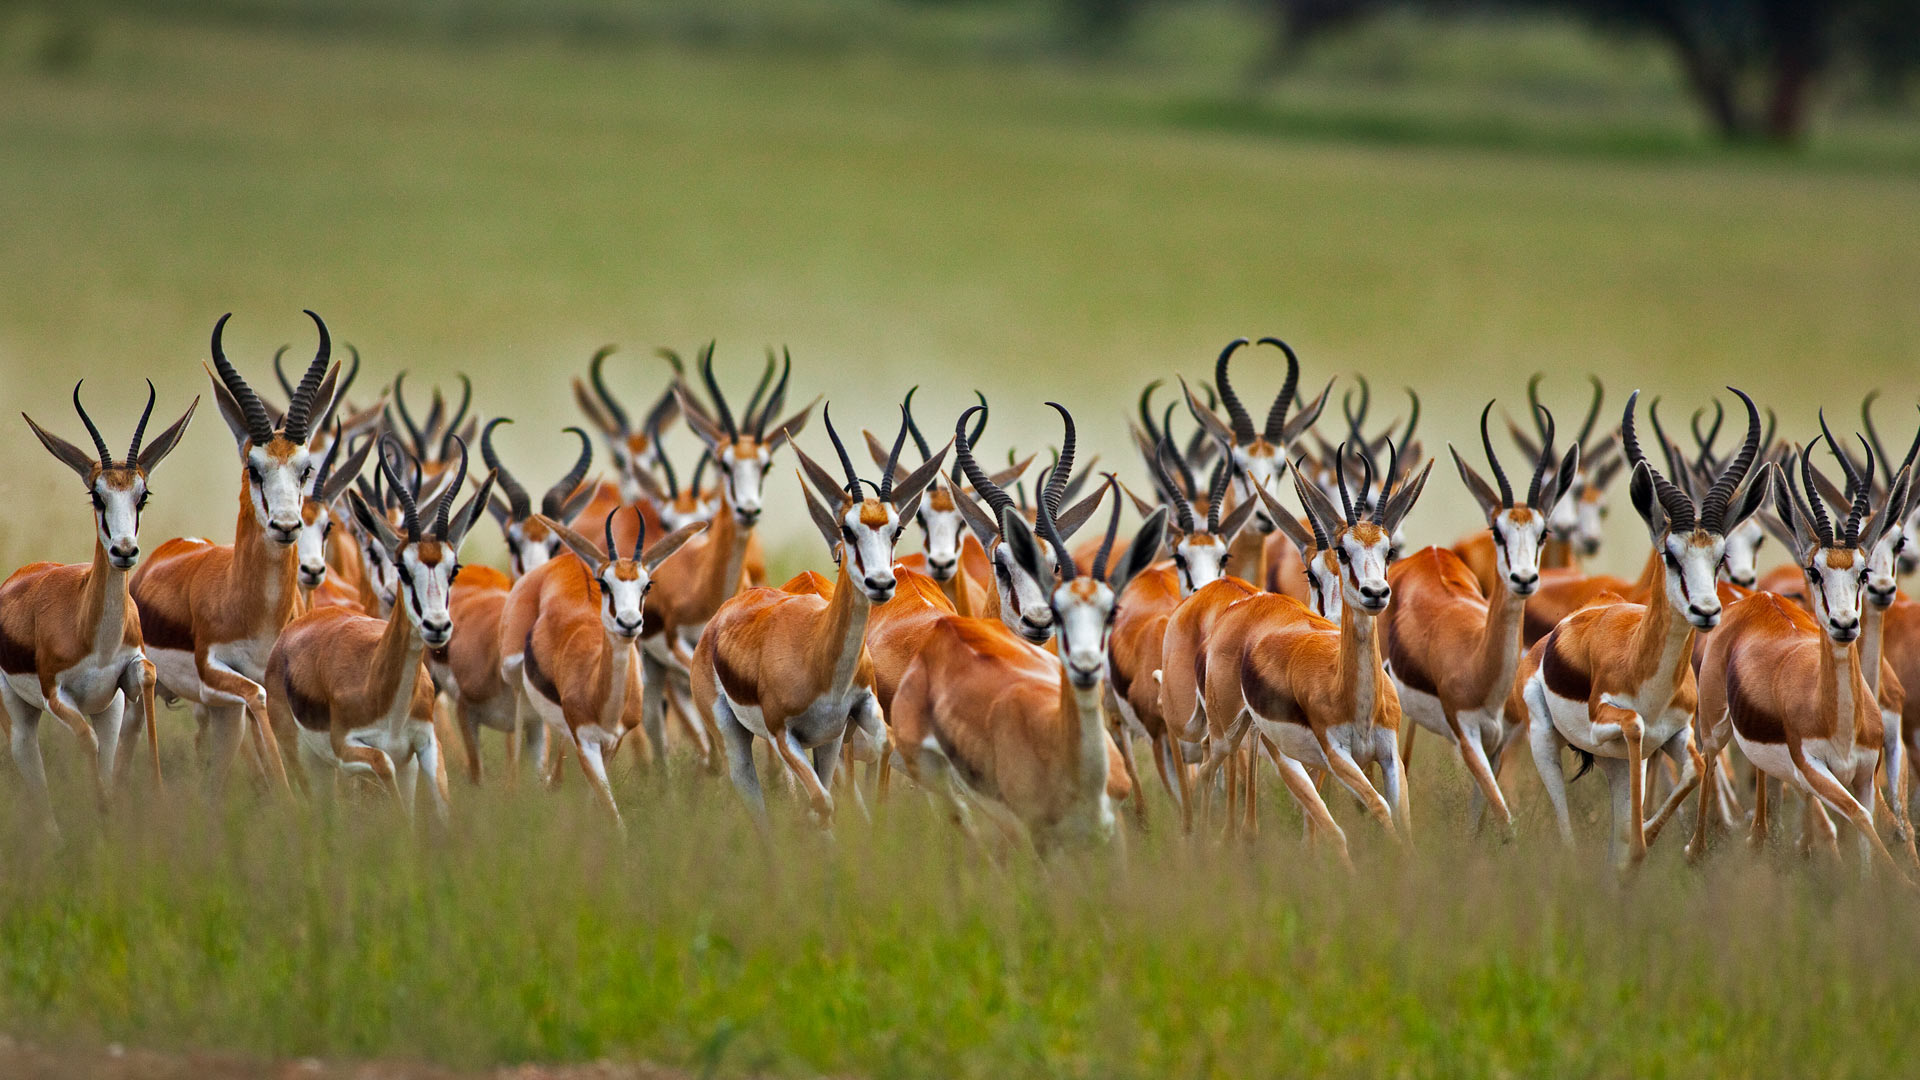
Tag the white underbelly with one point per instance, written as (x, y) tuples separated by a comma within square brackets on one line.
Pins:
[(177, 674)]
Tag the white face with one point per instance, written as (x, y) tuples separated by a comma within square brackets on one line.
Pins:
[(1883, 563), (1742, 560), (868, 530), (624, 585), (1324, 585), (1024, 605), (743, 468), (529, 546), (1364, 552), (1835, 577), (1258, 467), (632, 455), (678, 514), (1083, 609), (382, 574), (1201, 560), (1517, 532), (316, 524), (1910, 555), (118, 497), (941, 536), (277, 488), (1693, 569), (427, 583)]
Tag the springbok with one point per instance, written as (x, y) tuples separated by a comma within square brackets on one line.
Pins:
[(1451, 649), (69, 634), (1316, 690), (1771, 659), (790, 665), (634, 450), (1614, 680), (432, 438), (530, 544), (350, 691), (319, 507), (568, 640), (983, 718), (210, 613)]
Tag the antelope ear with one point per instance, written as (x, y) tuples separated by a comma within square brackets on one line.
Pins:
[(70, 455), (1645, 503), (1750, 499), (704, 427), (822, 480), (595, 414), (320, 409), (976, 517), (1793, 529), (1476, 485), (910, 487), (463, 518), (1561, 482), (1306, 417), (649, 487), (1284, 520), (1780, 531), (578, 501), (1010, 475), (1025, 547), (162, 445), (822, 519), (1318, 506), (374, 525), (587, 551), (501, 512), (1141, 553), (1402, 502), (664, 547), (230, 411), (1140, 505), (1236, 520), (1070, 519), (791, 427), (345, 473), (1529, 447), (1205, 417)]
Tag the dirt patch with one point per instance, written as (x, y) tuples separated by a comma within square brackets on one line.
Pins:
[(20, 1061)]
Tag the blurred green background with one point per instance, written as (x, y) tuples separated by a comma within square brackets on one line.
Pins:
[(1005, 195)]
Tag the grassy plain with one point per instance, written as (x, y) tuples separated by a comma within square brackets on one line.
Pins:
[(502, 209)]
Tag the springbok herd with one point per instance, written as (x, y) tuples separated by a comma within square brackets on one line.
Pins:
[(1274, 600)]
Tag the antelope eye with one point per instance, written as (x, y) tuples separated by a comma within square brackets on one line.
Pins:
[(253, 472), (142, 504), (98, 502), (307, 474)]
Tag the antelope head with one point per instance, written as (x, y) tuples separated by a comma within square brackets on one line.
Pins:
[(742, 450), (1083, 607), (118, 489), (1831, 555), (1691, 536), (279, 465), (1360, 539), (622, 581), (318, 509), (1198, 545), (1519, 527), (862, 532), (529, 543), (1579, 517), (635, 450), (1257, 457), (426, 560), (942, 527)]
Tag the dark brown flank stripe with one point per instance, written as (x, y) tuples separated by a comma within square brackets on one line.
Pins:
[(537, 677), (741, 691), (1564, 679), (1749, 714), (309, 713), (16, 657), (1535, 625), (1406, 666), (161, 632), (1262, 699)]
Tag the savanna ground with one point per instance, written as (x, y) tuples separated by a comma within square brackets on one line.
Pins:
[(502, 209)]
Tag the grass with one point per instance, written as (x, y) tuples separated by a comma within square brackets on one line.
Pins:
[(502, 208)]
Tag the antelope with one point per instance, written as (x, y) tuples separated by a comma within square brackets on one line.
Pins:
[(467, 668), (1199, 552), (635, 451), (350, 691), (69, 635), (432, 439), (568, 640), (318, 508), (790, 665), (1256, 459), (1771, 659), (1910, 526), (1451, 649), (984, 718), (1315, 690), (210, 613), (1614, 680)]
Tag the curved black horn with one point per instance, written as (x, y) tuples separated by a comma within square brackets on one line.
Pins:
[(390, 449), (517, 498), (1593, 413), (719, 399), (893, 457), (300, 407), (556, 497), (997, 499), (99, 444), (1054, 492), (1113, 529), (1340, 478), (1873, 435), (1493, 461), (1819, 505), (453, 422), (443, 506), (699, 470), (751, 417), (1386, 483), (913, 429), (1413, 418), (1679, 507), (259, 428), (1320, 538), (1242, 423), (280, 372), (1277, 413), (400, 400), (140, 429), (1713, 508), (1676, 462), (846, 462), (639, 534), (596, 373), (327, 461), (1182, 508), (972, 440), (1146, 411), (1705, 442), (607, 525), (1546, 461), (777, 399)]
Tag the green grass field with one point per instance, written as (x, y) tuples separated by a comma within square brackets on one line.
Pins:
[(503, 209)]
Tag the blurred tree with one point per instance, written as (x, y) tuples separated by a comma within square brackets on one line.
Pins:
[(1753, 65)]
